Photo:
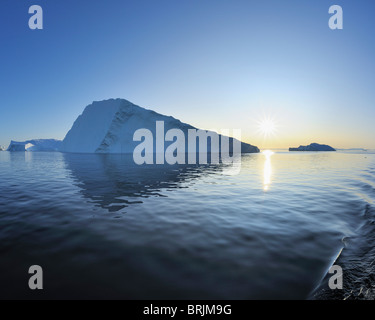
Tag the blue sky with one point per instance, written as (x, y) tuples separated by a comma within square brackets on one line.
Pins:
[(213, 64)]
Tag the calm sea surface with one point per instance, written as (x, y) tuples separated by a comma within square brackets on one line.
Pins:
[(102, 227)]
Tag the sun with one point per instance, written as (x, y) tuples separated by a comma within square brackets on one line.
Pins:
[(267, 127)]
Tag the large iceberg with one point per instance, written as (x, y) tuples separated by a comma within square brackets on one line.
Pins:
[(313, 147), (108, 127), (35, 145)]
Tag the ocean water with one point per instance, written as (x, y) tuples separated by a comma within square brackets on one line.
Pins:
[(102, 227)]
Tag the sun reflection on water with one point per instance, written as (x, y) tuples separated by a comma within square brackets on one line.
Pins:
[(267, 170)]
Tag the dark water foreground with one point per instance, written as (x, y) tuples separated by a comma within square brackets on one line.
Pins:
[(102, 227)]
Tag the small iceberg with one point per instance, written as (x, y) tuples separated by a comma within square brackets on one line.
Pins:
[(313, 147), (35, 145)]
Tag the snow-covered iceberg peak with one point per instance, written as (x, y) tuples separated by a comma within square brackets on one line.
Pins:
[(108, 127)]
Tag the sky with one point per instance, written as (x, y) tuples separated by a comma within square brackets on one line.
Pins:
[(213, 64)]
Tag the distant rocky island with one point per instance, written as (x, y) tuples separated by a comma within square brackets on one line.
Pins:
[(313, 147)]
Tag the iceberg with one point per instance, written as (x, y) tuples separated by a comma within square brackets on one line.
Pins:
[(313, 147), (35, 145), (108, 127)]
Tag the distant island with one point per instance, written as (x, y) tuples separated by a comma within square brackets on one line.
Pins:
[(313, 147)]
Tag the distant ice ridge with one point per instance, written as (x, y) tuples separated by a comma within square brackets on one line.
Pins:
[(35, 145), (108, 127)]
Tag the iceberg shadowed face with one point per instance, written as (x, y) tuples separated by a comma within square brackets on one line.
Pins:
[(173, 147)]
